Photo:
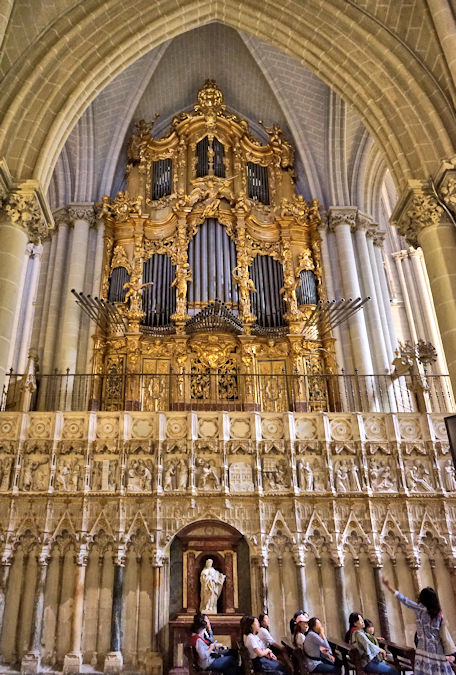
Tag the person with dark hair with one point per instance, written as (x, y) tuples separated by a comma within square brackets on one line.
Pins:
[(299, 635), (263, 659), (319, 657), (293, 620), (207, 659), (268, 641), (371, 655), (430, 658)]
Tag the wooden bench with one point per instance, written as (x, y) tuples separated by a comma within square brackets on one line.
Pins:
[(342, 651), (246, 661), (403, 657), (192, 659)]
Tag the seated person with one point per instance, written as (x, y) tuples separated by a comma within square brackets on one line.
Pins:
[(319, 658), (268, 641), (372, 656), (263, 659), (300, 612), (208, 635), (207, 658), (300, 630)]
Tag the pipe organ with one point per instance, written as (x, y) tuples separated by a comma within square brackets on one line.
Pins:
[(212, 259)]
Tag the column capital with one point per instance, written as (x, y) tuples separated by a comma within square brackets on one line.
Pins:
[(363, 222), (342, 215), (61, 218), (416, 210), (400, 255), (25, 207), (85, 212)]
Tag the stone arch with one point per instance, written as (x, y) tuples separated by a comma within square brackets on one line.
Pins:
[(89, 45)]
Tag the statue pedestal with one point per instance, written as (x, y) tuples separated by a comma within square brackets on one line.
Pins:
[(226, 627)]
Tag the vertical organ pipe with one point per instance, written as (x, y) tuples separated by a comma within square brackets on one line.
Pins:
[(233, 263), (203, 257), (227, 267), (271, 289), (191, 262), (211, 258), (219, 276)]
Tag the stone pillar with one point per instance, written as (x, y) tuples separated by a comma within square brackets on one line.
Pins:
[(82, 217), (424, 222), (114, 660), (21, 221), (414, 566), (427, 307), (381, 601), (384, 306), (399, 257), (4, 576), (28, 309), (192, 596), (52, 312), (229, 583), (73, 660), (96, 286), (372, 310), (18, 644), (342, 220), (31, 660), (342, 610), (378, 242), (300, 562), (157, 568)]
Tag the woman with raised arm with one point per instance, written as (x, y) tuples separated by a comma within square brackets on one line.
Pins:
[(371, 655), (430, 656)]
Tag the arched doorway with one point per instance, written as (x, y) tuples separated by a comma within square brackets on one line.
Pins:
[(190, 549)]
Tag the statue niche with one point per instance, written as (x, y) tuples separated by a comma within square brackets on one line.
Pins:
[(209, 572)]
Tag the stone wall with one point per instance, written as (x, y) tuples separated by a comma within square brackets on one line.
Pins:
[(326, 503)]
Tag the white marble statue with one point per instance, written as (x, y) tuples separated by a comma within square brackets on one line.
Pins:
[(211, 586)]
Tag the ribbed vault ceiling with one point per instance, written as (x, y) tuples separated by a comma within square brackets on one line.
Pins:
[(258, 81)]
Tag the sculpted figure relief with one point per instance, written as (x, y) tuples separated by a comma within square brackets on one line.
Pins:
[(449, 480), (211, 586)]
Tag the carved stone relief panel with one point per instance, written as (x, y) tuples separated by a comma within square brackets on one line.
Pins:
[(347, 475), (175, 473), (107, 432), (241, 477), (142, 425), (139, 472), (307, 428), (105, 473), (276, 474), (240, 426), (7, 465), (375, 428), (448, 474), (272, 427), (9, 426), (176, 427), (409, 428), (70, 473), (40, 425), (341, 429), (418, 475), (74, 427), (208, 426), (207, 474), (35, 473), (382, 474)]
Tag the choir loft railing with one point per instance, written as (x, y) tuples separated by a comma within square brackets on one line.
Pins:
[(229, 390)]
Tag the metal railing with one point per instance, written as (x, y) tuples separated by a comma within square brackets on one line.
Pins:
[(230, 391)]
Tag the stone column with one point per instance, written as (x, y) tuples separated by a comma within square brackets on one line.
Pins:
[(342, 220), (4, 576), (380, 354), (414, 566), (21, 221), (192, 599), (157, 568), (300, 563), (82, 217), (31, 660), (229, 583), (427, 306), (378, 240), (381, 601), (28, 309), (18, 644), (342, 610), (114, 660), (52, 311), (424, 222), (399, 257), (73, 660), (96, 286)]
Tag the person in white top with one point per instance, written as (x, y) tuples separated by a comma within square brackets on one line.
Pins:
[(263, 659), (205, 651), (268, 641)]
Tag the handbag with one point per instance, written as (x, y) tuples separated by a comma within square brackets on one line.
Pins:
[(447, 641)]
